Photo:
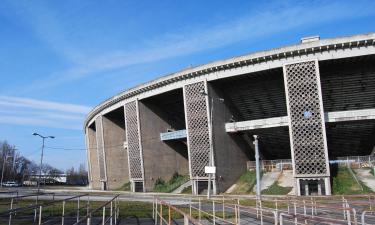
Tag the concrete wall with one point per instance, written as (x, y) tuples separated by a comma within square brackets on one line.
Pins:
[(116, 155), (94, 165), (230, 151), (160, 159)]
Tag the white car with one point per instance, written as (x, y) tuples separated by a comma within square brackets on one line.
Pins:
[(10, 184)]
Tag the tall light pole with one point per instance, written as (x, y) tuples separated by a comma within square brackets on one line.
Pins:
[(257, 166), (211, 155), (41, 156)]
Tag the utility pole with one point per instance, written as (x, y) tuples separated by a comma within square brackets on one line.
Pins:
[(41, 156)]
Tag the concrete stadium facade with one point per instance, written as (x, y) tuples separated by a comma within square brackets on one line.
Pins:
[(310, 102)]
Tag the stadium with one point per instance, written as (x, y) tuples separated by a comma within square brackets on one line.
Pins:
[(312, 103)]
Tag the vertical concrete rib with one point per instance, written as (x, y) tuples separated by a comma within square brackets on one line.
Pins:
[(306, 122), (93, 154), (100, 151), (133, 137)]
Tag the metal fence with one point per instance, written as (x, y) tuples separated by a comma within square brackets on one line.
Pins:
[(49, 208), (286, 164), (357, 209)]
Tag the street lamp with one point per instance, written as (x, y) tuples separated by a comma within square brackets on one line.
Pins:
[(211, 158), (257, 166), (41, 156)]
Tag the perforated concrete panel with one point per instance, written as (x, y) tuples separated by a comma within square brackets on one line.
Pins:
[(197, 124), (133, 138), (306, 125), (100, 148)]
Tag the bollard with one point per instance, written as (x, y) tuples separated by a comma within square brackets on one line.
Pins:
[(78, 210), (190, 207), (40, 215), (156, 213), (63, 213), (235, 215), (213, 212), (103, 220), (153, 208), (276, 208), (161, 213), (199, 211), (239, 215), (295, 213), (223, 207), (186, 220), (111, 214), (10, 214), (169, 215)]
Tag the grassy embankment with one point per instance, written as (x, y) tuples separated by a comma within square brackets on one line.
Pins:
[(345, 184)]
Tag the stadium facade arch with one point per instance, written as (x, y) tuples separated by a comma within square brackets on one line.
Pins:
[(311, 102)]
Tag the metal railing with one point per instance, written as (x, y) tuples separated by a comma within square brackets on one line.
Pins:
[(42, 212), (93, 215), (275, 210), (159, 208)]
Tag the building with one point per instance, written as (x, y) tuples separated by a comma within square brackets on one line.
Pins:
[(310, 102)]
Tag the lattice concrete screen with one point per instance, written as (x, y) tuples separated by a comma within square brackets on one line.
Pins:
[(100, 148), (133, 138), (197, 124), (306, 126)]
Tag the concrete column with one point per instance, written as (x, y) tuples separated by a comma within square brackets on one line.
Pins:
[(101, 152), (306, 121), (93, 157), (133, 137), (160, 159), (116, 155)]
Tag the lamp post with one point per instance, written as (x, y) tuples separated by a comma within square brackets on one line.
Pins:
[(211, 157), (41, 156), (257, 166)]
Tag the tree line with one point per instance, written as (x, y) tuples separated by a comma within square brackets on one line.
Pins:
[(15, 167)]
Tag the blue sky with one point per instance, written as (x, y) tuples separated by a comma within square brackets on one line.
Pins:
[(58, 59)]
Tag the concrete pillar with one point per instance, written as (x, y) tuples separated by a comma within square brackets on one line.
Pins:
[(133, 137), (116, 154), (93, 157), (306, 121), (101, 152), (197, 129), (160, 159)]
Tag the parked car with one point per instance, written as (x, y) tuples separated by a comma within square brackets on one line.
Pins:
[(10, 184)]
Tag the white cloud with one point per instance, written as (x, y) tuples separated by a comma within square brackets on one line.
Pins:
[(258, 23), (27, 111), (47, 105)]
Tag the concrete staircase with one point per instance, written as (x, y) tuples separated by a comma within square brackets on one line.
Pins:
[(286, 180), (366, 178), (267, 180), (182, 187)]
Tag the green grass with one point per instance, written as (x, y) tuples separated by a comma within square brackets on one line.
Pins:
[(245, 183), (276, 189), (167, 187), (372, 171), (344, 183), (124, 187), (187, 190)]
